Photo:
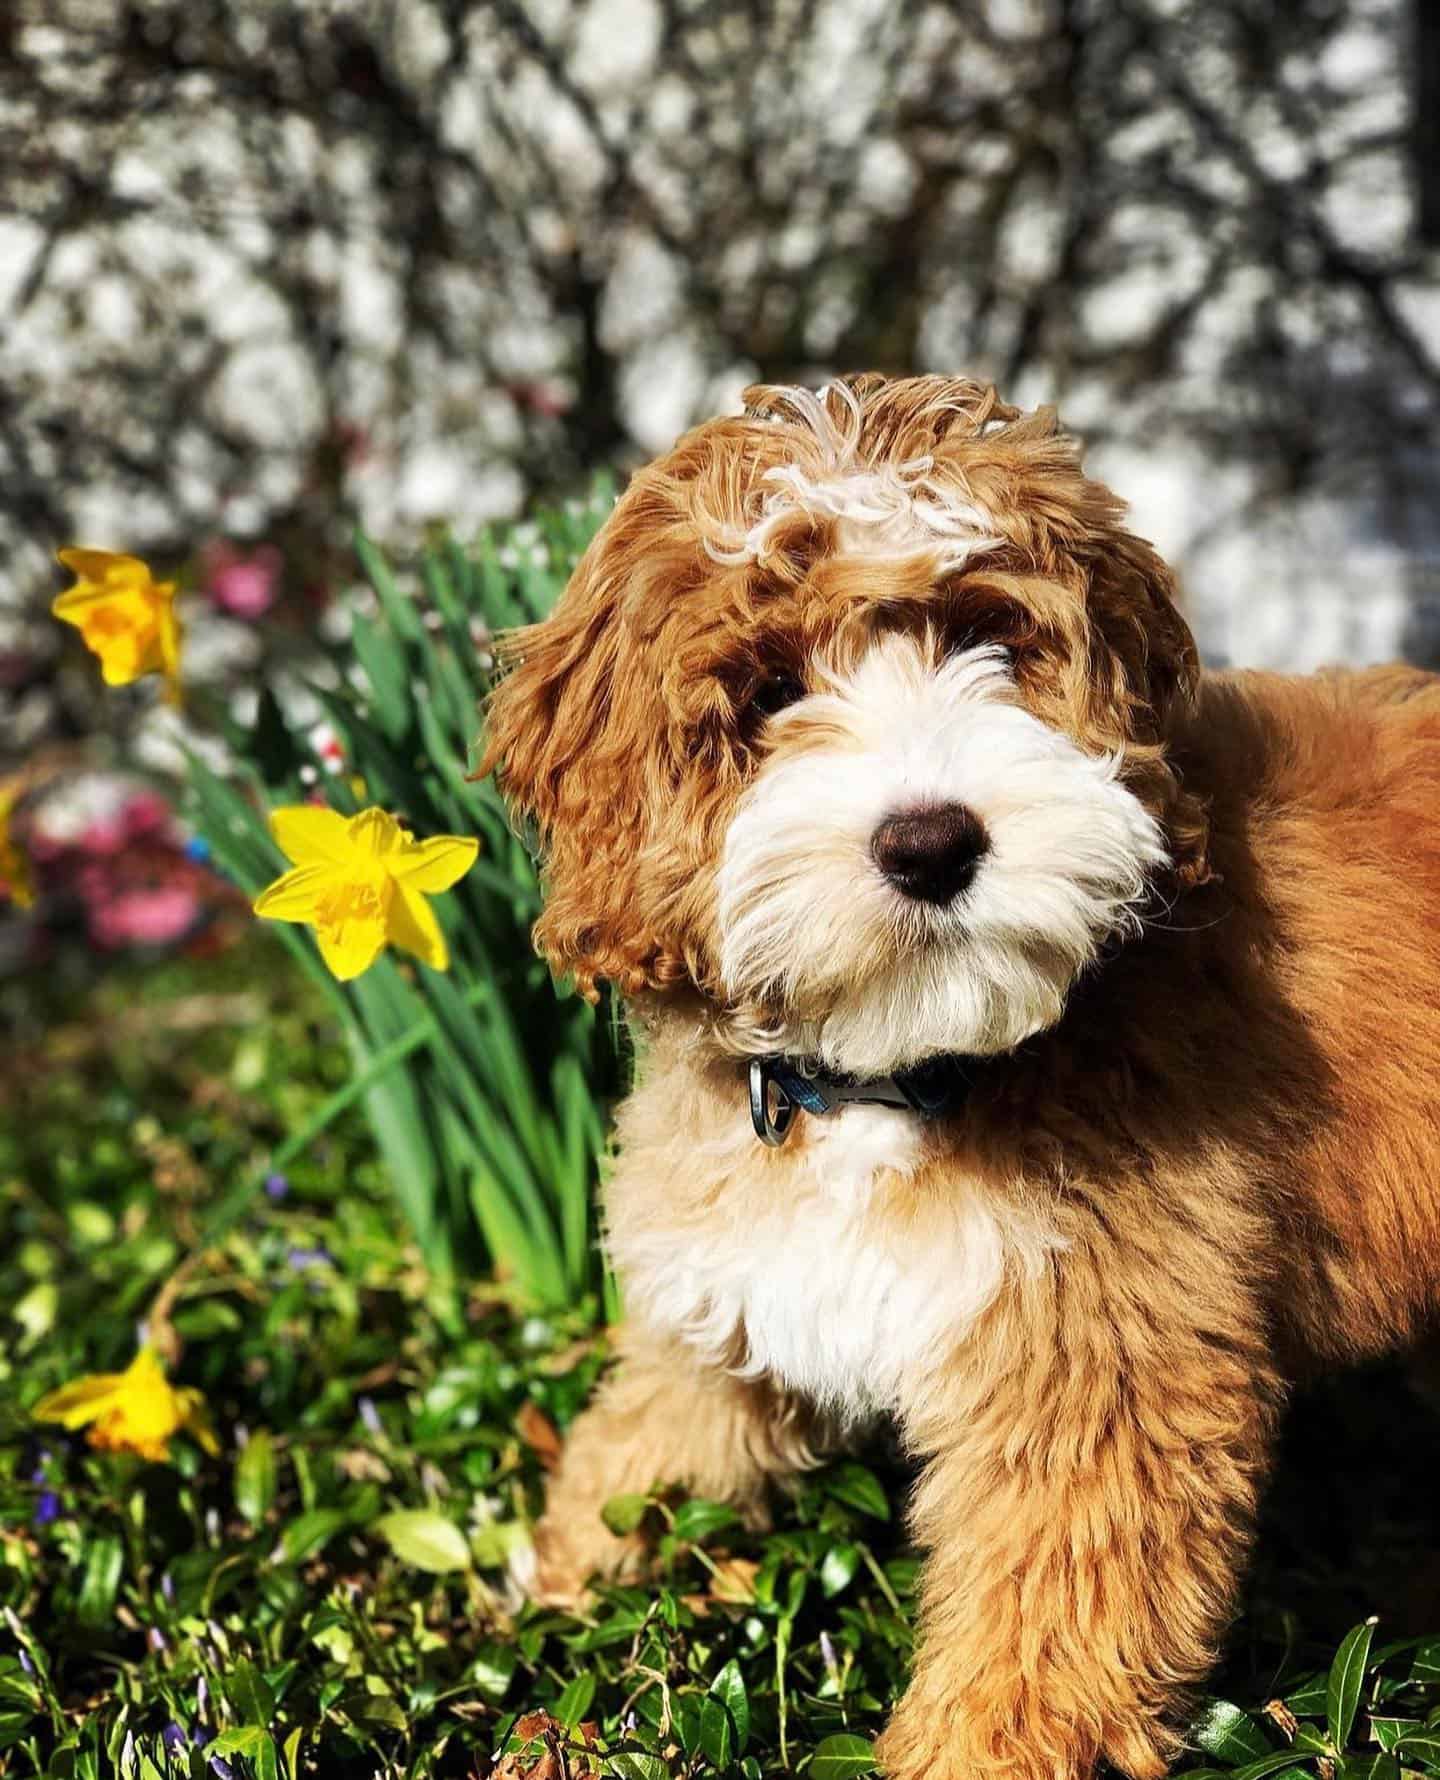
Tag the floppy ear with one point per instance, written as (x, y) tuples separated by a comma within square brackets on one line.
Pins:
[(1143, 678), (568, 739)]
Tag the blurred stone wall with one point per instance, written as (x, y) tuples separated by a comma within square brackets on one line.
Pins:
[(270, 265)]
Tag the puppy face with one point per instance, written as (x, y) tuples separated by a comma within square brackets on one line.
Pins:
[(853, 718)]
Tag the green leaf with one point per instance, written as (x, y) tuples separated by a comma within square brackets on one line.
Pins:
[(1224, 1731), (310, 1532), (244, 1741), (843, 1757), (1279, 1763), (1387, 1732), (35, 1311), (494, 1545), (623, 1514), (255, 1478), (1347, 1677), (838, 1568), (399, 609), (697, 1519), (386, 670), (1421, 1745), (249, 1694), (492, 1669), (100, 1580), (729, 1688), (267, 1766), (685, 1721), (716, 1732), (575, 1701), (1369, 1767), (424, 1539), (13, 1726), (635, 1764), (1308, 1699), (1425, 1665), (858, 1488)]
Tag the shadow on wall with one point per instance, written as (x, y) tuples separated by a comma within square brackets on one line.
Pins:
[(267, 270)]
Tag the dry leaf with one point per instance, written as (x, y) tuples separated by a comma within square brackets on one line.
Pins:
[(361, 1466), (734, 1580), (540, 1434)]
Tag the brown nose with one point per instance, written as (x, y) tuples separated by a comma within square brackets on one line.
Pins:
[(930, 855)]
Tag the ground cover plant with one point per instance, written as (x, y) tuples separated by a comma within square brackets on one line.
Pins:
[(330, 1594)]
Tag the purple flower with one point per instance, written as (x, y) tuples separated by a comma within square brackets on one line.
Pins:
[(174, 1738), (218, 1763), (202, 1700), (370, 1415), (300, 1259), (276, 1186), (47, 1509), (155, 1638), (25, 1662), (167, 1588)]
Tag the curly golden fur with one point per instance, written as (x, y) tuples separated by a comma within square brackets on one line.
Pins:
[(1210, 1166)]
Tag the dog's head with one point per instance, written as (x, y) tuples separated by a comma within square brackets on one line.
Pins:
[(854, 716)]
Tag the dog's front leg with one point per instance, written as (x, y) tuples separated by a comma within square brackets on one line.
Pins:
[(661, 1417), (1093, 1465)]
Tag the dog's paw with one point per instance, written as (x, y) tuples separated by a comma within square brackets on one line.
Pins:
[(565, 1556), (925, 1742)]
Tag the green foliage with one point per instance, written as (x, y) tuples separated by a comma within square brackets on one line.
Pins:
[(1372, 1715), (485, 1085), (332, 1594)]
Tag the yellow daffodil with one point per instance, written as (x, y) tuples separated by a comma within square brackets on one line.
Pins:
[(127, 618), (137, 1410), (16, 883), (362, 882)]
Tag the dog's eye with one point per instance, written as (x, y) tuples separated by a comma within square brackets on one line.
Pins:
[(774, 693)]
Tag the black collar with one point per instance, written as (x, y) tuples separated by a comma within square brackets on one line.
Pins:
[(781, 1085)]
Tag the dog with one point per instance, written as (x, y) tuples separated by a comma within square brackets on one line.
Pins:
[(1037, 1038)]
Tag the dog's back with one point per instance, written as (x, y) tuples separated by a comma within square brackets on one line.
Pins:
[(1325, 803)]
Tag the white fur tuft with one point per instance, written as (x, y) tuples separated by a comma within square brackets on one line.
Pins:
[(826, 1288), (886, 510), (868, 979)]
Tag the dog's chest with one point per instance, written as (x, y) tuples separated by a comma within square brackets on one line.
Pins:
[(824, 1273)]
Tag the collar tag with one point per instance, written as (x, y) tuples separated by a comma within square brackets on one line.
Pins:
[(782, 1086), (772, 1111)]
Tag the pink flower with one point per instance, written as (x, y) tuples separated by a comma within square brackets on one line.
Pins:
[(103, 836), (146, 813), (143, 917), (244, 586), (542, 395)]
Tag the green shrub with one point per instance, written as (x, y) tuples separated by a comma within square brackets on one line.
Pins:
[(486, 1084)]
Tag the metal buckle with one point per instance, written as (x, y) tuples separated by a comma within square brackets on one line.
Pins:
[(770, 1130)]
